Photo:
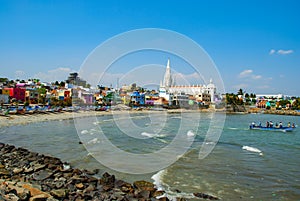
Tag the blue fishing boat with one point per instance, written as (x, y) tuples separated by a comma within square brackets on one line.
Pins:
[(263, 128)]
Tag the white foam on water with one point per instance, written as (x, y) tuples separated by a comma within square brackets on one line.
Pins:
[(252, 149), (151, 135), (158, 179), (171, 195), (190, 133), (84, 132), (94, 141)]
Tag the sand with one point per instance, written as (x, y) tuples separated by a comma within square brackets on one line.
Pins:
[(22, 119)]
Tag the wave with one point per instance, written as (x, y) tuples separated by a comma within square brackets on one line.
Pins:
[(84, 132), (171, 195), (252, 149), (151, 135), (94, 141), (190, 133)]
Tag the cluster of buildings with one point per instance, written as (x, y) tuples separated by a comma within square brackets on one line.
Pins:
[(33, 91)]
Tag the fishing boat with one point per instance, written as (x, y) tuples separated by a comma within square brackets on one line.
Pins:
[(263, 128)]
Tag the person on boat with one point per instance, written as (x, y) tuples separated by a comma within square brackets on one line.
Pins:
[(293, 126), (271, 124), (276, 125), (280, 124), (267, 124), (289, 124), (259, 124)]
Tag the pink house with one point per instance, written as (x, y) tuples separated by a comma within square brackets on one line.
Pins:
[(19, 93)]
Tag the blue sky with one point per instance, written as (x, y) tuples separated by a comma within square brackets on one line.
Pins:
[(254, 44)]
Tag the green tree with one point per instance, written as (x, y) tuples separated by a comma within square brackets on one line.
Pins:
[(240, 92)]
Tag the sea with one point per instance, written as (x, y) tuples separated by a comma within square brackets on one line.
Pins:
[(182, 153)]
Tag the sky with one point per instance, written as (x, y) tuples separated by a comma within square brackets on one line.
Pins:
[(253, 44)]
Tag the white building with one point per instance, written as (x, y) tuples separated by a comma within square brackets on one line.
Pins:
[(202, 93)]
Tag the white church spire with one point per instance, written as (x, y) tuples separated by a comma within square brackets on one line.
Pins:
[(168, 78)]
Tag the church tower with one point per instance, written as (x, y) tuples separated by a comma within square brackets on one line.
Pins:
[(167, 82)]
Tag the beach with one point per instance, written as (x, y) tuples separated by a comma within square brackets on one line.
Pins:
[(23, 119)]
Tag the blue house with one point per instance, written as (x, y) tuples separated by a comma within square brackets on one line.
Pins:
[(137, 99)]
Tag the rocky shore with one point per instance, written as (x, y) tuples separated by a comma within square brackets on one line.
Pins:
[(29, 176)]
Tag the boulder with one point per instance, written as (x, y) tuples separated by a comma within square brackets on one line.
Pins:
[(59, 193), (144, 185)]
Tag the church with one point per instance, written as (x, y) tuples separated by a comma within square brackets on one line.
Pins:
[(202, 94)]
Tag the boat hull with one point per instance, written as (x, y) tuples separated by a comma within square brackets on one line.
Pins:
[(283, 129)]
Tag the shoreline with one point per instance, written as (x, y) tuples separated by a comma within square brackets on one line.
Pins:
[(23, 119), (26, 175), (30, 176)]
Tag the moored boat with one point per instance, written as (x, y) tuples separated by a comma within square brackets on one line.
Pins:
[(281, 129)]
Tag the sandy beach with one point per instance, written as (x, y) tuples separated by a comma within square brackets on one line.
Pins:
[(11, 120)]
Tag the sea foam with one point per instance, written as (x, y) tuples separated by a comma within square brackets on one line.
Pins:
[(252, 149)]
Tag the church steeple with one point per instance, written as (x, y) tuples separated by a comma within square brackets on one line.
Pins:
[(168, 78)]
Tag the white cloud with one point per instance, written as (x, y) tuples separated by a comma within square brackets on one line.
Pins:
[(280, 52), (245, 73), (249, 74), (283, 52), (272, 51), (58, 74), (256, 77)]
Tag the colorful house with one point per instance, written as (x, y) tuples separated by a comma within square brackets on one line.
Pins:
[(137, 98), (19, 94)]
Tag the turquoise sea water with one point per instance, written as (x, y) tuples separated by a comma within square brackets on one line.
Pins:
[(244, 164)]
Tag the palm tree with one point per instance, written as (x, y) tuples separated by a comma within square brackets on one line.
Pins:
[(240, 92)]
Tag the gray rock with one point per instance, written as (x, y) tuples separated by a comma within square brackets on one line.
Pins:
[(11, 197), (42, 175), (59, 193)]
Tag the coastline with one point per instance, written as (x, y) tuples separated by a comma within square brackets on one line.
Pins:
[(26, 175), (23, 119), (30, 176)]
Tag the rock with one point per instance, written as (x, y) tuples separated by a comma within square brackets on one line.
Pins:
[(22, 193), (51, 199), (18, 170), (205, 196), (28, 170), (42, 175), (143, 194), (158, 194), (163, 199), (40, 197), (79, 186), (59, 193), (107, 181), (4, 172), (144, 185), (59, 184), (11, 197), (38, 167), (35, 191), (180, 199)]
